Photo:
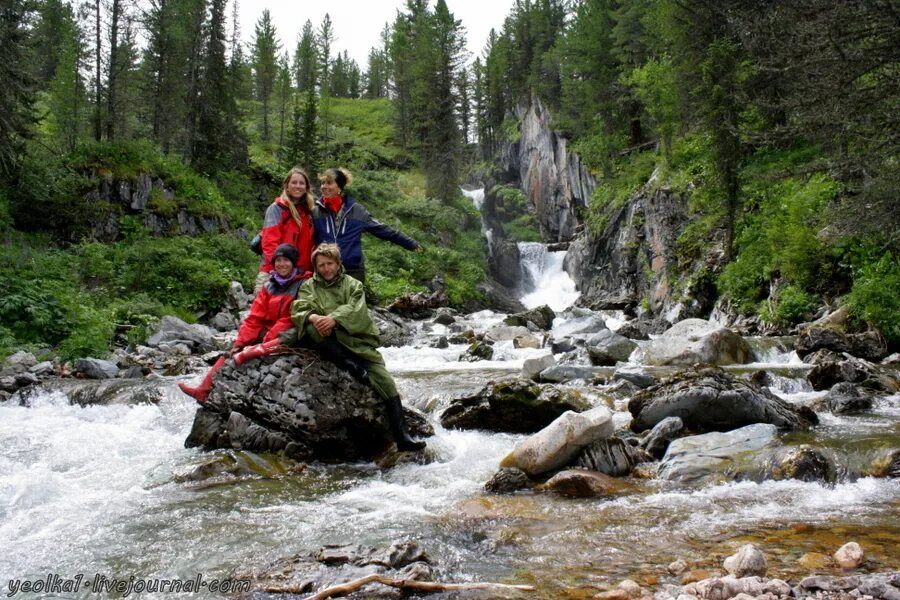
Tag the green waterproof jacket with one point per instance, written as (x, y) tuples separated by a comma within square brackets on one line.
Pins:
[(344, 300)]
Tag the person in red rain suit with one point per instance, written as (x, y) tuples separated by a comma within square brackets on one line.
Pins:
[(270, 314), (288, 220)]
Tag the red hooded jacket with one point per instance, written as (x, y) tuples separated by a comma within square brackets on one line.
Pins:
[(270, 313), (279, 227)]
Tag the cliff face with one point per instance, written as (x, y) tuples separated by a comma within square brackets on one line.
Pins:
[(553, 179), (632, 264)]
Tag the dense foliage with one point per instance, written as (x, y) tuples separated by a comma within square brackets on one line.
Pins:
[(778, 119)]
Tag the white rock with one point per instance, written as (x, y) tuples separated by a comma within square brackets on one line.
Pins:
[(748, 561), (849, 556), (561, 441), (677, 567), (630, 587)]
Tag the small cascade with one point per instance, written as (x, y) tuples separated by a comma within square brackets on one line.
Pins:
[(477, 198), (546, 282)]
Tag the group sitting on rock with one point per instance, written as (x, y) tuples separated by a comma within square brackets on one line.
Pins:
[(329, 315)]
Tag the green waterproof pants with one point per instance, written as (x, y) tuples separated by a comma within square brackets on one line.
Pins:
[(379, 378)]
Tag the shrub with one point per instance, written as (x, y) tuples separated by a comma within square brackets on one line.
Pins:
[(791, 306), (875, 296)]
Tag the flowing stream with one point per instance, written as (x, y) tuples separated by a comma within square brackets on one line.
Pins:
[(96, 490)]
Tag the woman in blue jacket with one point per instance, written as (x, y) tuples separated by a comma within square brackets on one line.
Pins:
[(340, 219)]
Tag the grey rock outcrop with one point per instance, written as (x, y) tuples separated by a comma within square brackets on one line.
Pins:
[(697, 341), (513, 405), (712, 400), (553, 179), (297, 404)]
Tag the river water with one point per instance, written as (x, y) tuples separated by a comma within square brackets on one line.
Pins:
[(96, 490)]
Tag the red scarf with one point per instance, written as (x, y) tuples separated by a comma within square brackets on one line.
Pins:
[(334, 204)]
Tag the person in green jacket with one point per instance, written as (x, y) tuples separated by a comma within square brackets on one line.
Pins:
[(330, 311)]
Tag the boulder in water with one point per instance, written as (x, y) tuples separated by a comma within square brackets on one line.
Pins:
[(849, 556), (478, 350), (394, 331), (746, 562), (696, 341), (846, 397), (582, 483), (662, 434), (541, 317), (803, 463), (558, 443), (512, 405), (870, 345), (608, 348), (506, 481), (614, 457), (692, 458), (298, 404), (532, 367), (712, 400)]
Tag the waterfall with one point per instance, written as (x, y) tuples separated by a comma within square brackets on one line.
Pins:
[(477, 198), (546, 282)]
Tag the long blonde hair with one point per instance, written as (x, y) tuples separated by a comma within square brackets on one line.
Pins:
[(310, 202)]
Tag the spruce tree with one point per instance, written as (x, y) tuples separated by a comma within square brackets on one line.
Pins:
[(265, 52), (16, 92)]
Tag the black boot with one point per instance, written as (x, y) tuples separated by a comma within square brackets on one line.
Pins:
[(331, 349), (394, 411)]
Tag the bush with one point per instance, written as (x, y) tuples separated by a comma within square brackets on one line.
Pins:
[(875, 296), (791, 306)]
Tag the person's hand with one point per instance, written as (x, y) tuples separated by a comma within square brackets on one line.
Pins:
[(419, 248), (324, 325), (234, 350)]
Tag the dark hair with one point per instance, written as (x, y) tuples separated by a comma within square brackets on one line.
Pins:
[(341, 177)]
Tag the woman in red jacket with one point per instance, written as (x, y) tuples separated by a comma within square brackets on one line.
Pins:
[(270, 314), (288, 220)]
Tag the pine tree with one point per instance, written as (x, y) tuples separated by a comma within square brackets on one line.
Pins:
[(219, 145), (324, 40), (306, 59), (265, 52), (285, 93), (66, 92), (16, 92)]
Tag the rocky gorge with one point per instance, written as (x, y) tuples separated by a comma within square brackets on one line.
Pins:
[(639, 443)]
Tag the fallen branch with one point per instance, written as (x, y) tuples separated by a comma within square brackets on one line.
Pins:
[(403, 584)]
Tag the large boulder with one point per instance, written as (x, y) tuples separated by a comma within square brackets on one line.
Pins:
[(560, 442), (696, 341), (607, 348), (19, 362), (392, 329), (692, 458), (512, 405), (298, 404), (712, 400), (846, 397), (173, 330), (869, 345), (541, 317), (830, 368)]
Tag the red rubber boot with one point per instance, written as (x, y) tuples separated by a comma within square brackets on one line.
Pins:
[(259, 350), (200, 392)]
